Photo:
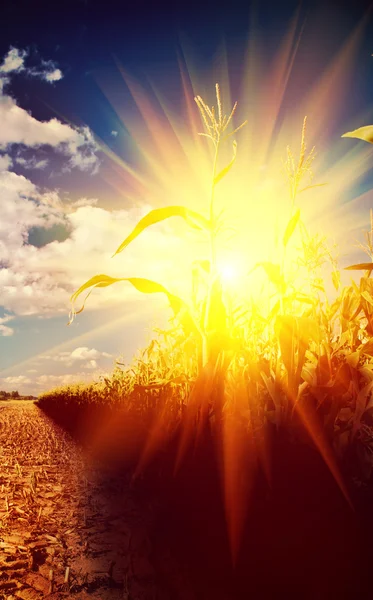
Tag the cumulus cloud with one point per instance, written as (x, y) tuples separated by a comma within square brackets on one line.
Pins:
[(92, 364), (85, 353), (31, 163), (39, 281), (114, 133), (5, 162), (14, 62), (84, 202), (46, 382), (54, 75), (91, 355), (19, 127), (4, 329), (22, 207), (36, 384), (16, 381)]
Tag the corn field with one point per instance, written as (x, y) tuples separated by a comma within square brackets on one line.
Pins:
[(292, 360)]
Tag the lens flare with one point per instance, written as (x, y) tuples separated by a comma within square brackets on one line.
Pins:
[(273, 189)]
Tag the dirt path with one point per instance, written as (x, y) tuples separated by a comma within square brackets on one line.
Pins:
[(68, 528)]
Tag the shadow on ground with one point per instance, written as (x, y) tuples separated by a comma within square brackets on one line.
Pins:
[(301, 538)]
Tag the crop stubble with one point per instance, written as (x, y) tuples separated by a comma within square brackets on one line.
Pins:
[(68, 528)]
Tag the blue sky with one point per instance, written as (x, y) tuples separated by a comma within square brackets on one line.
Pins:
[(75, 172)]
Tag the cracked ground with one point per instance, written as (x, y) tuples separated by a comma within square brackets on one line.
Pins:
[(70, 527)]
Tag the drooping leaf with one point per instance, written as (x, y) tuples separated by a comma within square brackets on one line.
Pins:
[(351, 303), (309, 187), (291, 227), (367, 348), (353, 359), (205, 265), (366, 295), (96, 281), (361, 404), (360, 267), (336, 279), (303, 298), (294, 335), (226, 169), (157, 215), (362, 133), (273, 272), (308, 373), (146, 286)]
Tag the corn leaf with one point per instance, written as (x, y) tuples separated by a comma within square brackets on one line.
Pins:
[(360, 267), (361, 404), (309, 187), (146, 286), (336, 279), (367, 348), (353, 359), (366, 295), (366, 372), (226, 169), (273, 272), (363, 133), (291, 227), (157, 215)]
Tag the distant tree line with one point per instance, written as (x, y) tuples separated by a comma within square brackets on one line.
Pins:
[(15, 394)]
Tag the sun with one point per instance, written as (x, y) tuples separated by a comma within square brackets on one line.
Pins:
[(229, 272)]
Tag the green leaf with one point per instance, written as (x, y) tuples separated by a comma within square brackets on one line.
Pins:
[(157, 215), (360, 267), (363, 133), (224, 171), (291, 227)]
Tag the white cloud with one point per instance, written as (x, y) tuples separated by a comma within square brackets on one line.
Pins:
[(54, 75), (22, 207), (39, 281), (79, 355), (13, 61), (37, 384), (49, 71), (84, 202), (85, 353), (5, 162), (32, 163), (19, 127), (16, 380), (92, 364), (47, 382), (114, 133), (6, 331)]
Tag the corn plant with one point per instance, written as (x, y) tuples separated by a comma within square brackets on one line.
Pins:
[(242, 363), (212, 326)]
